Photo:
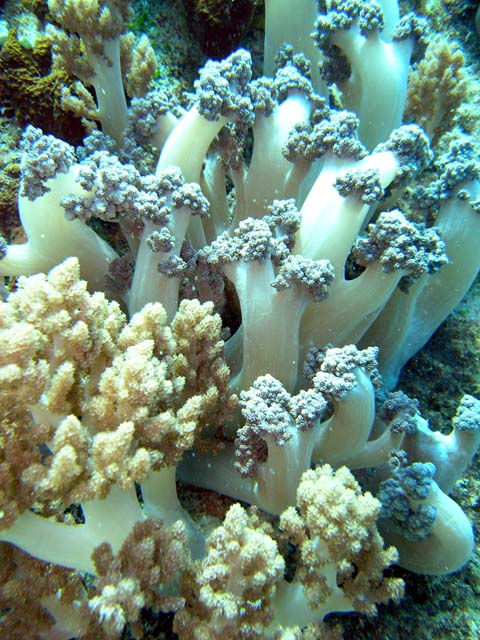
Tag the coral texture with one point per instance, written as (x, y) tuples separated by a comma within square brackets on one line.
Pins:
[(223, 293)]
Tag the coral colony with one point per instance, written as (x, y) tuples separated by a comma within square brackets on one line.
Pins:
[(241, 329)]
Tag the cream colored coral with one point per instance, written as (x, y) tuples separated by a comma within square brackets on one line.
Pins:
[(336, 563), (94, 19), (77, 99), (437, 88), (139, 63), (335, 529), (234, 584), (151, 556), (53, 326), (196, 330), (116, 604), (106, 399), (86, 42)]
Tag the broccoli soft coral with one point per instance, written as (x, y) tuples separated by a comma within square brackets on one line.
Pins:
[(240, 588), (103, 404), (269, 255)]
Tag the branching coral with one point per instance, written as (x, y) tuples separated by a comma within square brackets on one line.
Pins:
[(102, 405), (239, 588), (265, 293), (439, 76), (87, 42)]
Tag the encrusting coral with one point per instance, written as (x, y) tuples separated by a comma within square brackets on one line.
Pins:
[(242, 331), (32, 89)]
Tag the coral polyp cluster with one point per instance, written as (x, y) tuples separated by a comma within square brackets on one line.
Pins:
[(223, 293)]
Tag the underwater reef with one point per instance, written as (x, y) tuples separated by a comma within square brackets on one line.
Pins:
[(239, 321)]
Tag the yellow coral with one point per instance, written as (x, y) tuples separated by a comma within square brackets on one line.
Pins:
[(108, 399), (234, 584), (238, 590), (32, 88), (437, 88), (335, 529), (138, 59)]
